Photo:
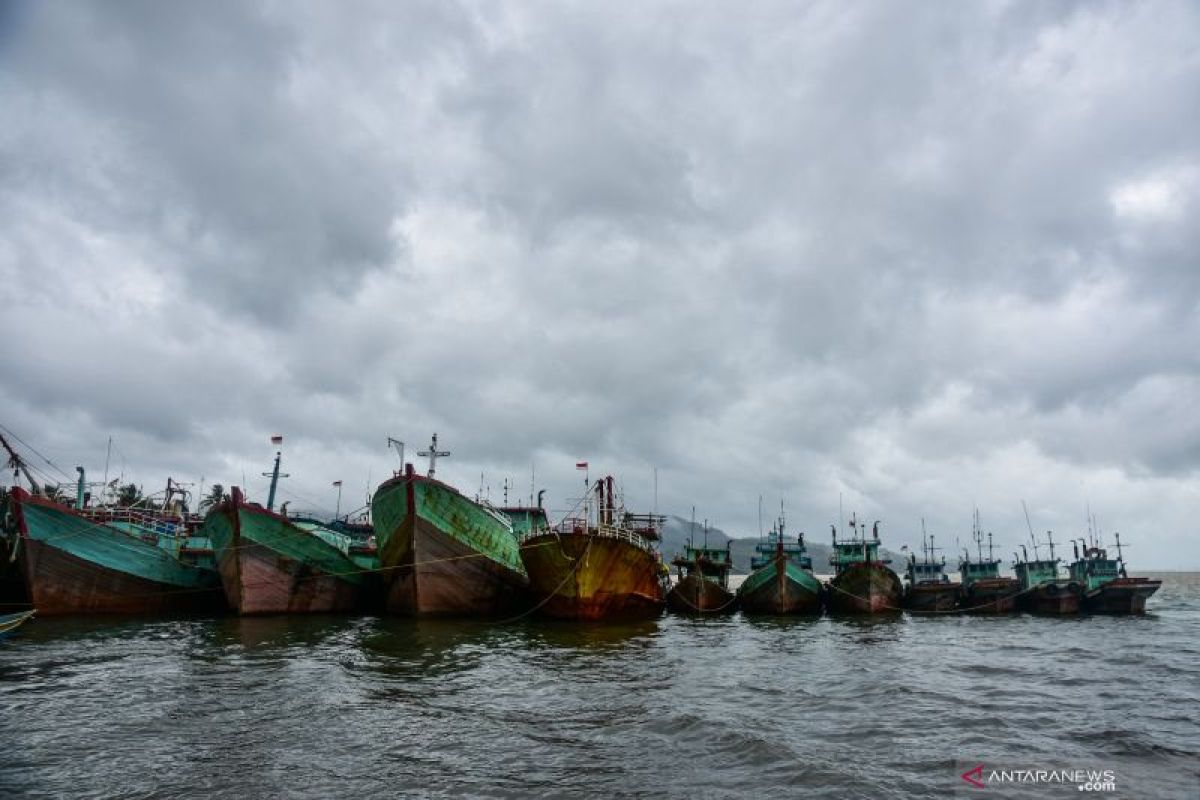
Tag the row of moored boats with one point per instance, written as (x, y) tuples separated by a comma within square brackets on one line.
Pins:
[(426, 549)]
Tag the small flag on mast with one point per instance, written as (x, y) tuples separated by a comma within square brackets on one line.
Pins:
[(581, 465), (277, 439), (337, 483)]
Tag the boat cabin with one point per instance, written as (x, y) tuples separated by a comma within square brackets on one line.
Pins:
[(973, 571), (925, 571), (1095, 568), (765, 551), (1035, 573), (712, 563)]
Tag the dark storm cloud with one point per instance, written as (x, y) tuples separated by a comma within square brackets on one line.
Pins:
[(917, 257)]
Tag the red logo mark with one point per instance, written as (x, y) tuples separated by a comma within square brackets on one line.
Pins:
[(974, 776)]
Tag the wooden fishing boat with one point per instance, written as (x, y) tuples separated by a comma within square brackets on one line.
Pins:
[(73, 559), (10, 622), (929, 590), (781, 580), (703, 584), (601, 565), (1105, 586), (443, 554), (862, 581), (984, 589), (270, 565), (1043, 589)]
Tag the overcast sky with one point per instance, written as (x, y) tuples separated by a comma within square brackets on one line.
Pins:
[(923, 257)]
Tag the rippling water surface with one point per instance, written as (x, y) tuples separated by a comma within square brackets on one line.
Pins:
[(370, 707)]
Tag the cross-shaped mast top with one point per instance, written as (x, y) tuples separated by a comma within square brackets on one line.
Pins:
[(433, 454)]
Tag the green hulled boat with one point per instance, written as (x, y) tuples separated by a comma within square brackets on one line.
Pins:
[(71, 564), (781, 580), (443, 554), (271, 565)]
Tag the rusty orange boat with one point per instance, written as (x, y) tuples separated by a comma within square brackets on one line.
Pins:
[(602, 565)]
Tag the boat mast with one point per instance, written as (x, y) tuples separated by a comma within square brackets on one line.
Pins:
[(275, 475), (433, 455), (18, 466)]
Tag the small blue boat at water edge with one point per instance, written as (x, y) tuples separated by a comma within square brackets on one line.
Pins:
[(10, 622)]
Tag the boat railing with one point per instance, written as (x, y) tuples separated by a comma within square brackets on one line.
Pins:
[(143, 520), (578, 526)]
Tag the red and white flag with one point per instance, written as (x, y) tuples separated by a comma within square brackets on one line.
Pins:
[(277, 439), (580, 465)]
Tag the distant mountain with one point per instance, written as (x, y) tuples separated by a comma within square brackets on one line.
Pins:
[(676, 532)]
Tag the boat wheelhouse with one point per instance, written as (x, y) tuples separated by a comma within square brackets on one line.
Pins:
[(862, 581)]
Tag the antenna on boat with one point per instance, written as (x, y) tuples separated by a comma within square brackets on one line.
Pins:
[(275, 474), (108, 455), (433, 454), (1050, 541), (706, 533), (991, 555), (506, 490), (692, 528), (760, 532)]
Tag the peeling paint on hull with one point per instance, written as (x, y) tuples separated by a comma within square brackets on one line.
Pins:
[(584, 577), (270, 566), (696, 595), (441, 554), (865, 588), (780, 587), (71, 565)]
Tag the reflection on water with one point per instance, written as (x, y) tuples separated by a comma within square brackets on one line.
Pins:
[(322, 706)]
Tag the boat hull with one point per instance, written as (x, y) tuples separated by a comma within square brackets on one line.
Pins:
[(443, 555), (932, 598), (991, 596), (72, 565), (780, 587), (1121, 596), (693, 594), (270, 566), (579, 576), (1051, 598), (865, 588)]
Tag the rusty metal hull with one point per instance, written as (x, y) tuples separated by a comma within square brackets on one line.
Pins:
[(696, 595), (865, 588), (1051, 598), (581, 576), (1121, 596), (439, 575), (991, 596), (932, 598)]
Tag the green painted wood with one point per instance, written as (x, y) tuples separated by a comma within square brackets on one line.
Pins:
[(465, 521), (110, 548), (767, 575), (258, 526)]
